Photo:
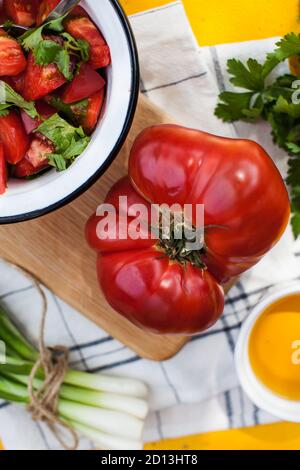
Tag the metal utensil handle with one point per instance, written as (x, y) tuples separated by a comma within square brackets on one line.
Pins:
[(65, 6)]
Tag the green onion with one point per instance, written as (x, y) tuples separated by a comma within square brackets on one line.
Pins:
[(110, 422), (13, 338), (106, 441), (106, 383), (108, 410), (127, 404)]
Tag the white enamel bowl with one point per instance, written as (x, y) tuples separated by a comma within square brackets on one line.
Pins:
[(262, 396), (25, 200)]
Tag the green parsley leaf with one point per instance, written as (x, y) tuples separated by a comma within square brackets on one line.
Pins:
[(57, 161), (248, 76), (286, 47), (46, 51), (31, 39), (281, 125), (77, 46), (76, 148), (283, 106), (294, 181), (233, 106), (57, 24), (4, 109), (73, 112), (69, 141), (50, 52), (63, 63), (293, 148), (84, 48), (296, 224), (12, 98), (294, 172)]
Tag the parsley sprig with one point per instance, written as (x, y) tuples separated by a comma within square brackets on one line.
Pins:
[(31, 39), (73, 112), (69, 141), (48, 51), (271, 101), (10, 98)]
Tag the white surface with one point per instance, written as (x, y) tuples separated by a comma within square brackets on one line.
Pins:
[(28, 196)]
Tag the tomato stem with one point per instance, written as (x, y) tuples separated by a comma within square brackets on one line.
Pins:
[(179, 240)]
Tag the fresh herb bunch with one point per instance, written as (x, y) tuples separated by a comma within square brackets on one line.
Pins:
[(272, 101)]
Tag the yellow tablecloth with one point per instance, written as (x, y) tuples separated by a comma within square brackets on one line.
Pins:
[(220, 21)]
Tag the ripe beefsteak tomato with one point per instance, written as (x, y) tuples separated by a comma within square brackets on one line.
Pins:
[(156, 283)]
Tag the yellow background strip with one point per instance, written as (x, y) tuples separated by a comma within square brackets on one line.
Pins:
[(221, 21), (281, 436)]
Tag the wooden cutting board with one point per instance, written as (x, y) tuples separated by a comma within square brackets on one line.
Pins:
[(53, 248)]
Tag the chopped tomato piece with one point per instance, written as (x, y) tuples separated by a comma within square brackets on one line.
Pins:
[(3, 15), (93, 111), (85, 84), (22, 12), (12, 59), (3, 170), (41, 80), (78, 11), (23, 169), (17, 82), (35, 159), (38, 152), (13, 137), (45, 9), (44, 110), (84, 28)]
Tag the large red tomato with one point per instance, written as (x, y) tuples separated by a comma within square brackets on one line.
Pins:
[(155, 283)]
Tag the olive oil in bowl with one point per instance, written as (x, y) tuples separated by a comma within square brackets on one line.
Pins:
[(274, 347)]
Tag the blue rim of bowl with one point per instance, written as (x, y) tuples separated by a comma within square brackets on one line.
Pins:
[(135, 86)]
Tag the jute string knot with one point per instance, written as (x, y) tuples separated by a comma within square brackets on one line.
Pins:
[(53, 362)]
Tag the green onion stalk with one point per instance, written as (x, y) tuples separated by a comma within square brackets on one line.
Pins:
[(110, 411)]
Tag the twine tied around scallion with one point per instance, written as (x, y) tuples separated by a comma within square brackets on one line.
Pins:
[(110, 411), (43, 402)]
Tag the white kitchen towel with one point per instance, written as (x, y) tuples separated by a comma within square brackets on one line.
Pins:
[(197, 390)]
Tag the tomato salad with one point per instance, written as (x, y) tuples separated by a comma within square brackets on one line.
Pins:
[(52, 87)]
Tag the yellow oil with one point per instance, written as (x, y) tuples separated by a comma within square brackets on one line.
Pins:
[(274, 347)]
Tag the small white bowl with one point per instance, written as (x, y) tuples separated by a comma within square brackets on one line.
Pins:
[(262, 396), (25, 200)]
